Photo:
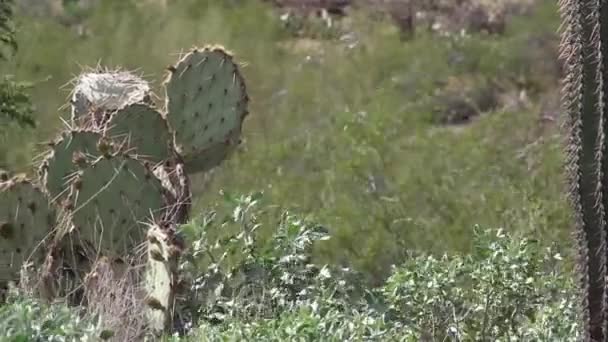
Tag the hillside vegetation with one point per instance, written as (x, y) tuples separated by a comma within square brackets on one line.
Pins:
[(440, 152), (349, 131)]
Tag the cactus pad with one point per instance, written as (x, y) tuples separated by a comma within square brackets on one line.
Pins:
[(110, 202), (142, 131), (25, 221), (74, 149), (206, 102), (98, 93), (160, 278)]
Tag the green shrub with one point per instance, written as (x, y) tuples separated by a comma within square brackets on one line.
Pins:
[(506, 289), (23, 319), (15, 105), (261, 283), (236, 272), (245, 280)]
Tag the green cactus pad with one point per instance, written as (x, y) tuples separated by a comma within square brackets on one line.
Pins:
[(110, 203), (142, 131), (161, 276), (26, 218), (206, 102), (74, 148), (98, 93)]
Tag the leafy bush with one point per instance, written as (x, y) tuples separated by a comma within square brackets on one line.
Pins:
[(23, 319), (248, 281), (246, 286), (237, 273), (15, 103), (506, 289)]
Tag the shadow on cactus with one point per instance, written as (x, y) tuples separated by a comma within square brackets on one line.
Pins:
[(113, 188)]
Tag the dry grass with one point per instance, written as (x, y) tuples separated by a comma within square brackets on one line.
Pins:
[(111, 292), (114, 294)]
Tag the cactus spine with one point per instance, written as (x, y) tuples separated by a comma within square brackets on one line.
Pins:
[(584, 49)]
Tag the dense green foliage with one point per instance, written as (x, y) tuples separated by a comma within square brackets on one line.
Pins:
[(505, 288), (15, 105), (253, 288), (361, 133), (26, 319), (363, 151)]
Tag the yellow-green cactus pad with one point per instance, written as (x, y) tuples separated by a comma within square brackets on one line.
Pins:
[(161, 276), (206, 102), (72, 151), (110, 203), (26, 219), (141, 131)]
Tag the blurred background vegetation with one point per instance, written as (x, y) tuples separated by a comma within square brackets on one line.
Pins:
[(400, 141)]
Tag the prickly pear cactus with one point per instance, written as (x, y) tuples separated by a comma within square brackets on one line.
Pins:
[(73, 150), (97, 94), (119, 178), (26, 220), (206, 103), (160, 281), (142, 132), (110, 202)]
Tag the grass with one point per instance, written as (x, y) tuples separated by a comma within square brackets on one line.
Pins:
[(345, 133)]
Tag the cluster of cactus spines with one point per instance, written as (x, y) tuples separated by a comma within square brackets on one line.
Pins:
[(26, 220), (164, 249), (96, 94), (206, 103), (583, 50)]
